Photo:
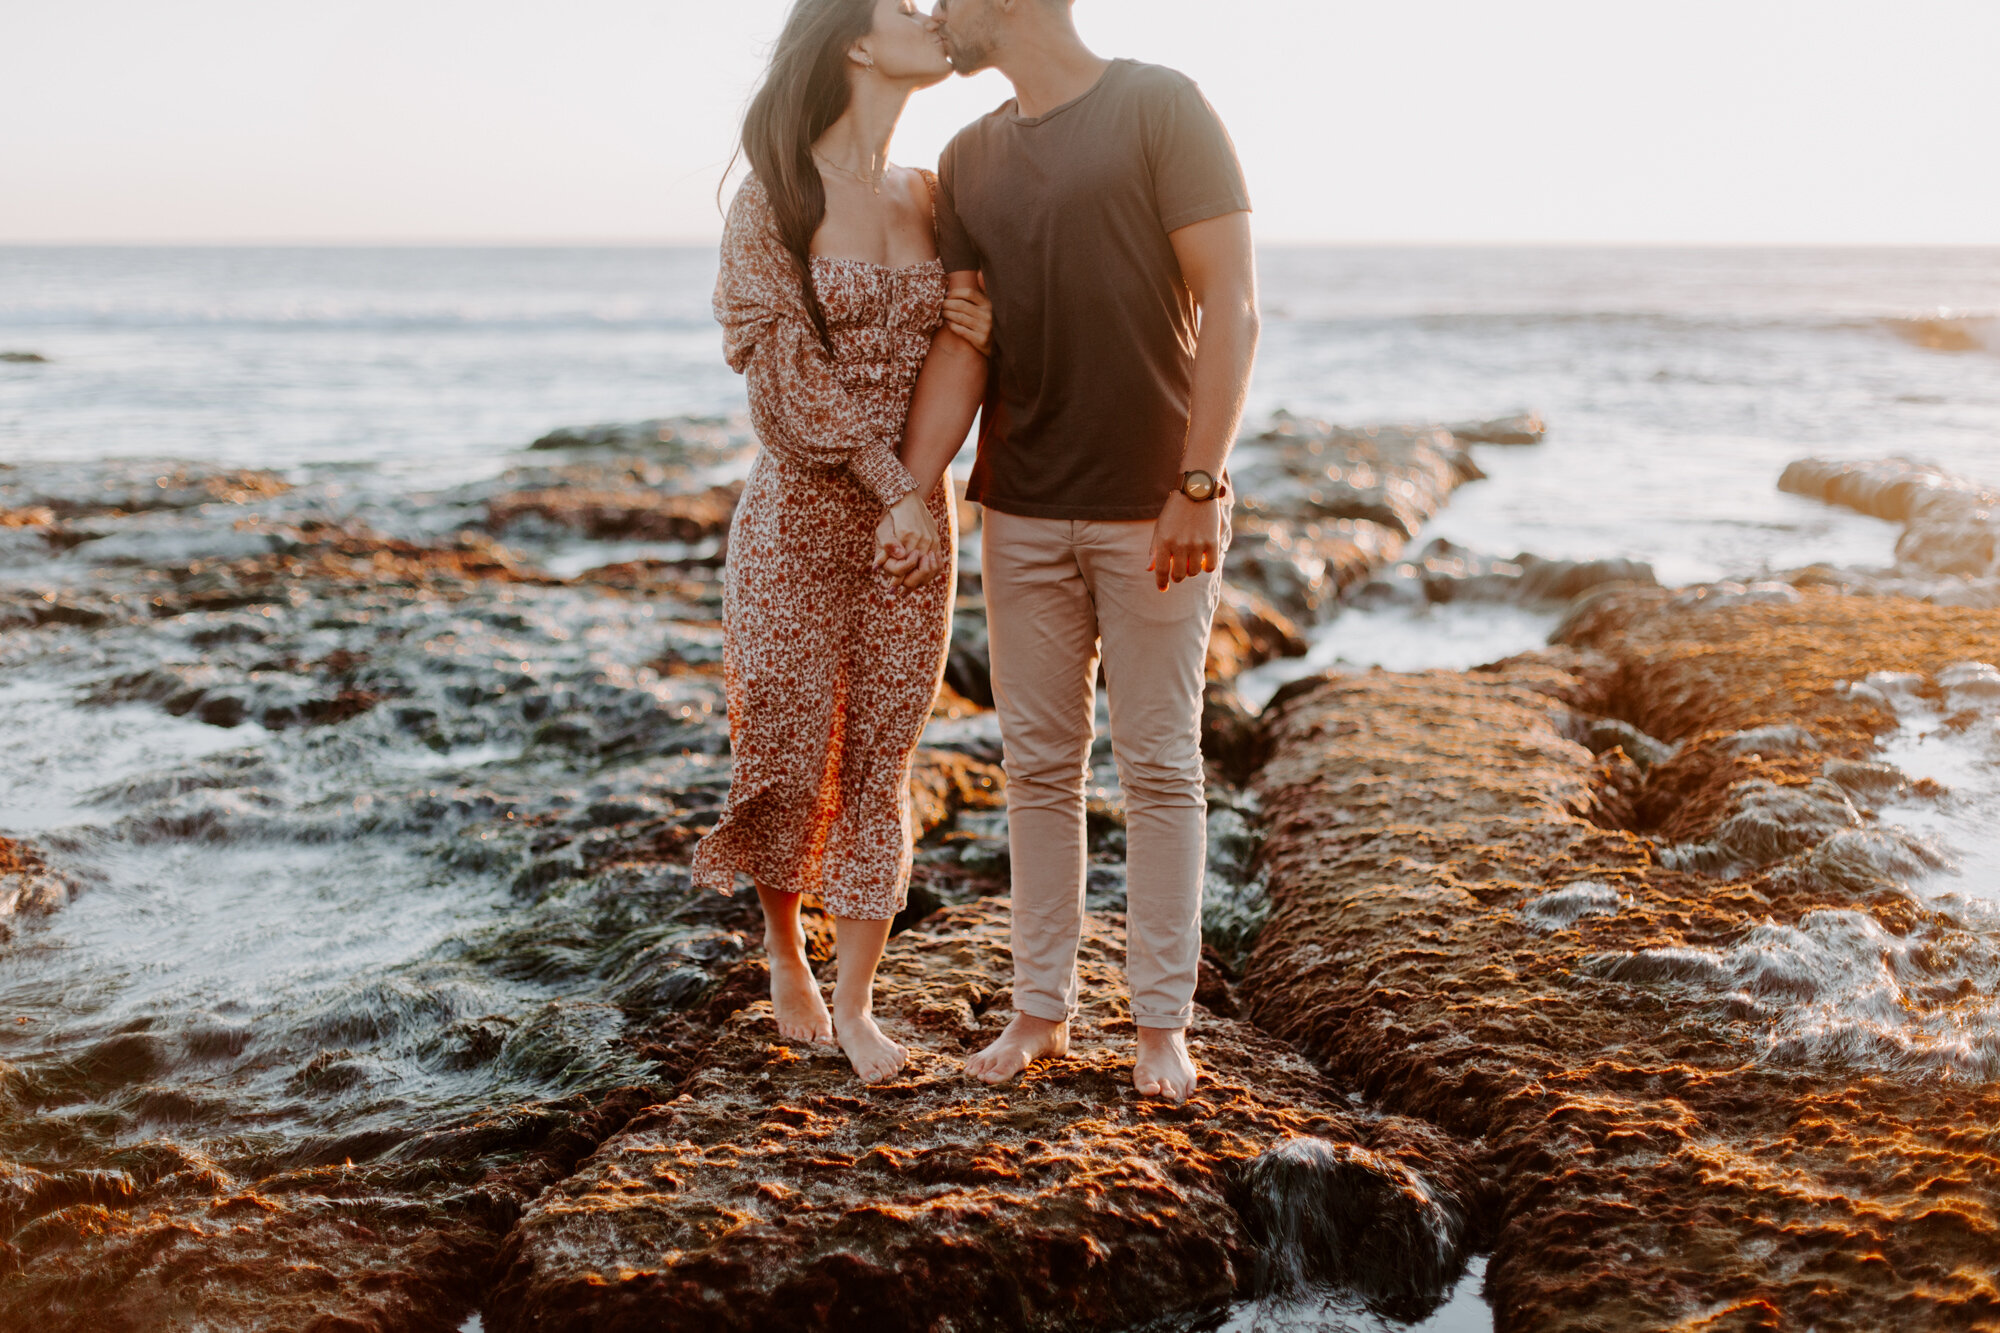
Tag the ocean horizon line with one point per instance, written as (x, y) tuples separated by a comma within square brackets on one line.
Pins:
[(1272, 243)]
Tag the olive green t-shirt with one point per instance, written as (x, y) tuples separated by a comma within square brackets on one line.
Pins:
[(1067, 217)]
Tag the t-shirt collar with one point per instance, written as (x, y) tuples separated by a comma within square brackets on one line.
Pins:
[(1055, 111)]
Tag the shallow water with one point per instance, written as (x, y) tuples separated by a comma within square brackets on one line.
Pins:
[(1466, 1311), (318, 942), (1450, 636), (1954, 742)]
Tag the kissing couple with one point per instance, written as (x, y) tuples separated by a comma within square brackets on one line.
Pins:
[(1080, 267)]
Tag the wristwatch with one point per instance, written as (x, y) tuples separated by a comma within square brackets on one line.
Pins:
[(1200, 486)]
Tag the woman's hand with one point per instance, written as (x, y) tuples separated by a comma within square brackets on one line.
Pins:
[(907, 546), (970, 316)]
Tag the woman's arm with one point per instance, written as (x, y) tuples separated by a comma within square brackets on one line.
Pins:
[(801, 412)]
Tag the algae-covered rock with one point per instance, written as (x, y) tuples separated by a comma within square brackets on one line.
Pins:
[(1704, 1099), (776, 1193)]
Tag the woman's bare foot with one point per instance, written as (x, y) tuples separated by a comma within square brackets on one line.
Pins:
[(872, 1054), (795, 998), (1026, 1040), (1163, 1067)]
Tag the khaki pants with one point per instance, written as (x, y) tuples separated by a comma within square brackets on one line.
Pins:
[(1057, 589)]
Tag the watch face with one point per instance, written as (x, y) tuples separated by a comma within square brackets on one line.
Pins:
[(1198, 485)]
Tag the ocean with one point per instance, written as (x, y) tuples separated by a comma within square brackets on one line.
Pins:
[(1677, 382)]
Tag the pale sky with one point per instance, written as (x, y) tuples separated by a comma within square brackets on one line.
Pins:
[(1405, 121)]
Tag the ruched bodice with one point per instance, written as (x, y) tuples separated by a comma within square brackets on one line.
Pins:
[(880, 321)]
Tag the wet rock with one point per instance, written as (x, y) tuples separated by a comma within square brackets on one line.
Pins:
[(1970, 685), (1893, 488), (1951, 525), (1603, 734), (943, 783), (1784, 739), (699, 441), (27, 885), (1863, 779), (176, 1242), (1559, 909), (136, 487), (625, 515), (1228, 732), (968, 668), (1565, 580), (1946, 333), (1862, 864), (1235, 901), (1336, 1216), (1521, 428), (23, 359), (1766, 824), (1446, 572), (1806, 1042), (773, 1192), (1320, 507), (1248, 632)]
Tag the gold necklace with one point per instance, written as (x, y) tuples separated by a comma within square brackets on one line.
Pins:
[(872, 182)]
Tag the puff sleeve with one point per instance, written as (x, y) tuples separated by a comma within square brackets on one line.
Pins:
[(797, 404)]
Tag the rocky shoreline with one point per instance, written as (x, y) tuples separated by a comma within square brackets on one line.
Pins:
[(1542, 960), (1482, 924)]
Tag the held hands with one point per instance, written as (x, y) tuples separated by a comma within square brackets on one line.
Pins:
[(1187, 540), (970, 316), (907, 546)]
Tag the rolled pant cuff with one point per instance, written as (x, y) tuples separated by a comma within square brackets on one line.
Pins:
[(1164, 1022), (1046, 1010)]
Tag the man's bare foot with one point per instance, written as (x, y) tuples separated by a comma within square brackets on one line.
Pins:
[(795, 999), (1026, 1040), (1163, 1067), (872, 1054)]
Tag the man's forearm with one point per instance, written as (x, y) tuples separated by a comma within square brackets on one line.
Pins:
[(1225, 351), (947, 398)]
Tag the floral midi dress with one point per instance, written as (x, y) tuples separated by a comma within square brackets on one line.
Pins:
[(831, 670)]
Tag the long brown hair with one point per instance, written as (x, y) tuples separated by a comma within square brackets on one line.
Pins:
[(804, 91)]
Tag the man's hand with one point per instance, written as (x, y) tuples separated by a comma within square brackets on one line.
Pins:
[(907, 546), (969, 314), (1187, 540)]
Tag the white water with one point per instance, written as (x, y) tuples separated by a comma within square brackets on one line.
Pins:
[(1957, 745), (1465, 1312)]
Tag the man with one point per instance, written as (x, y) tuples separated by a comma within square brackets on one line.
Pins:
[(1107, 213)]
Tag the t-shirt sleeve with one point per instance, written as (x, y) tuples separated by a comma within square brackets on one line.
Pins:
[(1196, 174), (955, 247)]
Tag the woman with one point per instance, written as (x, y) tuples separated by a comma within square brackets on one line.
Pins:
[(833, 303)]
